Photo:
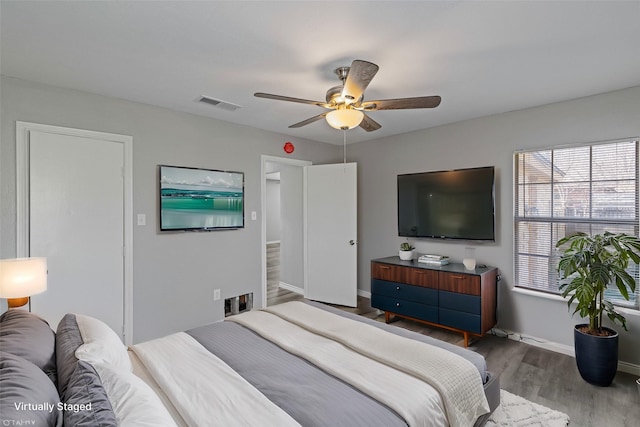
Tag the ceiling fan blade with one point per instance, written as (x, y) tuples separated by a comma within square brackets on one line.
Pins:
[(290, 99), (369, 124), (309, 120), (360, 75), (401, 103)]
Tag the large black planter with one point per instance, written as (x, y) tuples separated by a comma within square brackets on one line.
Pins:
[(596, 357)]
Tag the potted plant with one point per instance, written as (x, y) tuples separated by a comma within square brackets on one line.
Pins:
[(587, 267), (406, 251)]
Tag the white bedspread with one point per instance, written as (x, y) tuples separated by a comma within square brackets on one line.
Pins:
[(353, 350), (205, 390)]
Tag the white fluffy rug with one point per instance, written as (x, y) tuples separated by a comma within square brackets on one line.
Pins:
[(516, 411)]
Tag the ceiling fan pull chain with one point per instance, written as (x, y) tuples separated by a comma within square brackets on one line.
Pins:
[(344, 145)]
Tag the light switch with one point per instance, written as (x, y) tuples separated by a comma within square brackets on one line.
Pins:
[(142, 219), (254, 215)]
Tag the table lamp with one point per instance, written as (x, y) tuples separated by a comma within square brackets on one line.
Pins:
[(20, 278)]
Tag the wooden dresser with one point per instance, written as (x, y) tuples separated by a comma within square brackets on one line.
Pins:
[(450, 296)]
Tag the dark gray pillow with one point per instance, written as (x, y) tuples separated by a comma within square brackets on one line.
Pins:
[(28, 336), (27, 395), (68, 339), (78, 382), (84, 387)]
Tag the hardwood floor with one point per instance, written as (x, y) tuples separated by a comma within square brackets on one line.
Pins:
[(542, 376)]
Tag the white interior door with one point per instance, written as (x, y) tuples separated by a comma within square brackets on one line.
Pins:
[(76, 221), (331, 233)]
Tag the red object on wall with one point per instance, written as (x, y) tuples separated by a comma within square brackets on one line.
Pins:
[(288, 148)]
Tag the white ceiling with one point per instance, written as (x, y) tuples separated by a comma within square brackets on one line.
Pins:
[(482, 58)]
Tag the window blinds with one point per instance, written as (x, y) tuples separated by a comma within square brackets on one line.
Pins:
[(559, 191)]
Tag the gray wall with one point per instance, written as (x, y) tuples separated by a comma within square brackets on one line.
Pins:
[(482, 142), (174, 274), (273, 210)]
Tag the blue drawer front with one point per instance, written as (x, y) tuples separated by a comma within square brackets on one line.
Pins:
[(460, 302), (460, 320), (406, 292), (408, 308)]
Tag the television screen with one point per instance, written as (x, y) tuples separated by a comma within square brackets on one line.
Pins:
[(456, 204), (193, 199)]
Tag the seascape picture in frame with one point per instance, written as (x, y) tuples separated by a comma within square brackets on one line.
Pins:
[(196, 199)]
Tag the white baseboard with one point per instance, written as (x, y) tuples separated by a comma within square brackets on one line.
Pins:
[(629, 368), (291, 288), (365, 294)]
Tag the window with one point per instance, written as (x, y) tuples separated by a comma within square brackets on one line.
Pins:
[(559, 191)]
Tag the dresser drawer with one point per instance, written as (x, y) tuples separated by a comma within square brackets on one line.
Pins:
[(406, 308), (407, 292), (459, 282), (392, 273), (460, 302), (422, 277), (457, 319)]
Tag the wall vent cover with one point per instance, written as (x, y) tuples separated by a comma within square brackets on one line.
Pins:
[(219, 103)]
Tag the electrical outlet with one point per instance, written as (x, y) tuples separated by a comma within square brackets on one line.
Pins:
[(216, 294)]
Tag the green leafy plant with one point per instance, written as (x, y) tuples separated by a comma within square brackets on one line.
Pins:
[(589, 264), (406, 246)]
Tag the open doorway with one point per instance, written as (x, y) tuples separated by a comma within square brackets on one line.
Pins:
[(278, 290), (282, 229)]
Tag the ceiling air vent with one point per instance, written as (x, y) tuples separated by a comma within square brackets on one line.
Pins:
[(224, 105)]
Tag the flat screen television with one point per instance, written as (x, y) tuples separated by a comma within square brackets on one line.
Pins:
[(454, 204), (193, 199)]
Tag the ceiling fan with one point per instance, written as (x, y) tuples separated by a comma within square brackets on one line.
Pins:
[(346, 102)]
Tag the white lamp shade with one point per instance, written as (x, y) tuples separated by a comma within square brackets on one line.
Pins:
[(22, 277), (344, 118)]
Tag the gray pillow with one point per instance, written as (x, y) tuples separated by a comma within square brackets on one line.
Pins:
[(78, 382), (28, 336), (85, 387), (68, 339), (27, 395)]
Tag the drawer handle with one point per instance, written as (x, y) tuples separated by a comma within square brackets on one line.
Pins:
[(382, 267), (397, 304), (458, 277), (397, 288)]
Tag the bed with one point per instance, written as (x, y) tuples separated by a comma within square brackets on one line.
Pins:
[(294, 364)]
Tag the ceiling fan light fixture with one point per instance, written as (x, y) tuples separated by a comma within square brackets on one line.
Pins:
[(344, 118)]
